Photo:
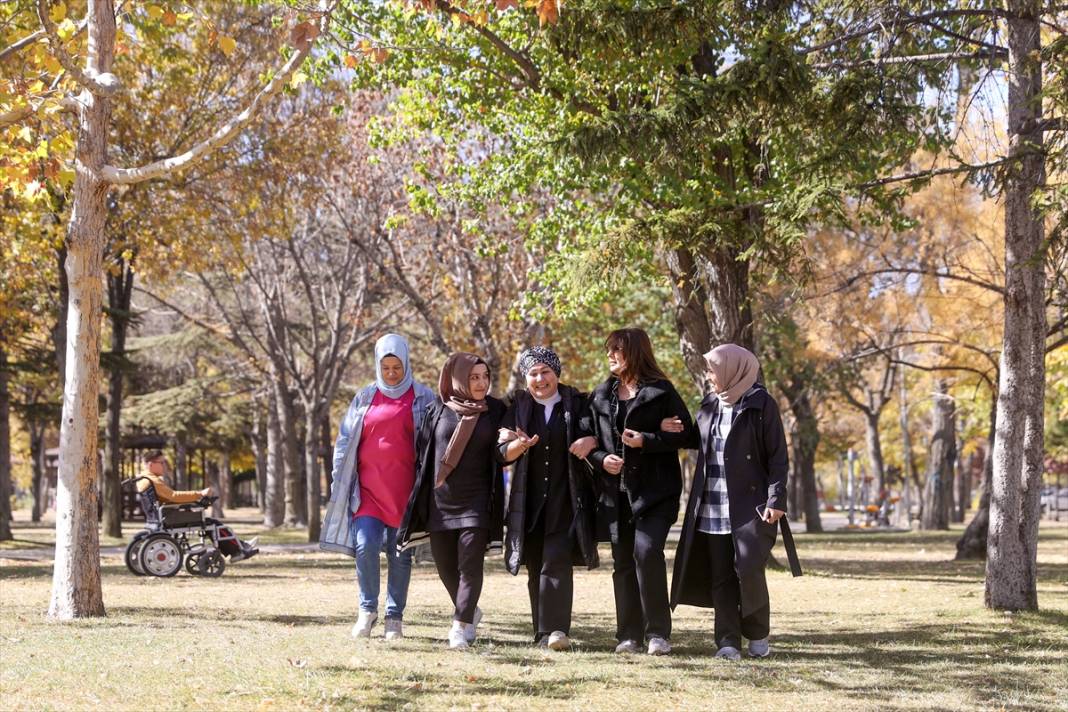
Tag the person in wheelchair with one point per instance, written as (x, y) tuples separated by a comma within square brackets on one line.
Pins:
[(152, 474)]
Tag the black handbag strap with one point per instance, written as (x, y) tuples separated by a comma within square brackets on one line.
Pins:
[(791, 549)]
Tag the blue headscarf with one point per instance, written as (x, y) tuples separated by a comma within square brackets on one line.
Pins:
[(393, 345)]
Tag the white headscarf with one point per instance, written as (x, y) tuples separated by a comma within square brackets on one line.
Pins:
[(392, 345)]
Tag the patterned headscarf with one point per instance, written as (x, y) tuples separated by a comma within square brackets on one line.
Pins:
[(539, 354)]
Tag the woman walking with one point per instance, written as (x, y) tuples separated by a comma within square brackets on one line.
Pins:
[(374, 469), (738, 494), (639, 482), (458, 498), (550, 504)]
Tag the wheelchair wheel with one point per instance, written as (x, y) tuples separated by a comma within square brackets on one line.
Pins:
[(192, 563), (211, 564), (133, 555), (161, 555)]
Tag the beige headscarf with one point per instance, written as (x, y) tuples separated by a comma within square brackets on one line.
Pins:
[(456, 395), (736, 371)]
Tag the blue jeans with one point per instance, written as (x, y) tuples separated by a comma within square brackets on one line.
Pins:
[(371, 535)]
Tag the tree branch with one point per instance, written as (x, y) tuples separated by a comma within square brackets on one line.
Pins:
[(103, 85), (913, 59), (931, 173), (168, 166)]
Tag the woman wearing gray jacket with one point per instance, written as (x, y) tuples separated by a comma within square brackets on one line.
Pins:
[(372, 478)]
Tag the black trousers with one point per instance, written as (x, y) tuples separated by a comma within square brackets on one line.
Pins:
[(550, 580), (728, 592), (639, 575), (459, 555)]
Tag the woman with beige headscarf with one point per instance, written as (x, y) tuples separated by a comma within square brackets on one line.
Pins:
[(738, 496), (458, 498)]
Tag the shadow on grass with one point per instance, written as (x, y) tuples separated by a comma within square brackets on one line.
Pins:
[(913, 570)]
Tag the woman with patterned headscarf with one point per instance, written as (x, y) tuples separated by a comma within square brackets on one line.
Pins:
[(738, 496), (458, 498), (374, 465), (550, 503)]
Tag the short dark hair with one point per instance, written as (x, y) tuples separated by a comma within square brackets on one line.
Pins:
[(638, 352), (151, 456)]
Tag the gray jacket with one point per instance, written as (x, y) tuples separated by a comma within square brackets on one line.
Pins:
[(336, 534)]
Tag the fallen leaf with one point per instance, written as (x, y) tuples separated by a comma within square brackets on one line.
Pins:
[(298, 662)]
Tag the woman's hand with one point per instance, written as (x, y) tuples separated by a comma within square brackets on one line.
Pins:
[(672, 425), (613, 464), (525, 440), (582, 447), (772, 515), (632, 438), (518, 443)]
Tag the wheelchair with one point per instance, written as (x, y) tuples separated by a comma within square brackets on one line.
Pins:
[(176, 534)]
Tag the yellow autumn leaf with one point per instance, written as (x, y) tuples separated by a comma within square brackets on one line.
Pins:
[(66, 29), (298, 79), (26, 134), (227, 45), (351, 61), (155, 12), (59, 12)]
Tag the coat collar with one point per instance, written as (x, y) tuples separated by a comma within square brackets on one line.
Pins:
[(524, 404)]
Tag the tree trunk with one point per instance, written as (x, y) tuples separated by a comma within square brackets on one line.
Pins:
[(907, 465), (972, 543), (274, 491), (59, 329), (712, 306), (259, 451), (808, 440), (181, 462), (793, 490), (211, 475), (940, 463), (326, 444), (960, 474), (226, 481), (5, 450), (1012, 545), (37, 433), (120, 290), (76, 588), (296, 513), (875, 448), (314, 486)]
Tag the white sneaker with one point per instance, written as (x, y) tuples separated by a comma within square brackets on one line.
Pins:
[(729, 652), (394, 629), (457, 636), (628, 646), (364, 623), (759, 648), (558, 640), (471, 629), (659, 646)]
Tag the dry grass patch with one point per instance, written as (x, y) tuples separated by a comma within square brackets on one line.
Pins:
[(880, 621)]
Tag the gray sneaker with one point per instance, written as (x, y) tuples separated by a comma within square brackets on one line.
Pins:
[(729, 652), (364, 623), (471, 629), (629, 646), (394, 629), (658, 646), (759, 648)]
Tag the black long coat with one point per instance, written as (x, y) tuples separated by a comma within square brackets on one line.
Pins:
[(756, 462), (414, 526), (652, 474), (584, 542)]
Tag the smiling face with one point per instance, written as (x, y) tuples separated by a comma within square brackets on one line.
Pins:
[(478, 383), (542, 381), (713, 381), (392, 370)]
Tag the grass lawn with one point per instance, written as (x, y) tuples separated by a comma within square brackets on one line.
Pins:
[(879, 621)]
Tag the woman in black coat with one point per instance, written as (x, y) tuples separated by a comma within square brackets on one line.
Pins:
[(550, 503), (458, 497), (738, 495), (639, 481)]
